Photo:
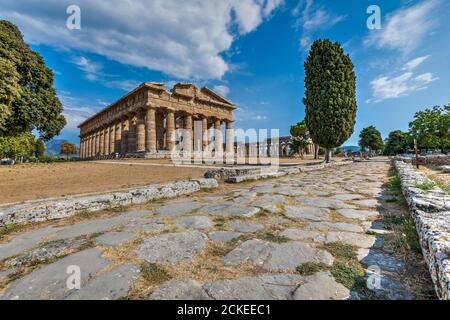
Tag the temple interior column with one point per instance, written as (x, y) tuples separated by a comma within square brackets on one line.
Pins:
[(97, 143), (150, 130), (106, 145), (102, 142), (140, 132), (218, 139), (229, 143), (160, 131), (188, 137), (170, 131), (125, 129), (118, 137), (204, 145), (132, 134), (112, 137)]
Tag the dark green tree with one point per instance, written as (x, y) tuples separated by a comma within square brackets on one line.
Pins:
[(396, 143), (18, 147), (370, 138), (330, 95), (39, 148), (28, 99), (431, 128), (300, 137)]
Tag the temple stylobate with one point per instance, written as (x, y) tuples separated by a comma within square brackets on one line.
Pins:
[(143, 122)]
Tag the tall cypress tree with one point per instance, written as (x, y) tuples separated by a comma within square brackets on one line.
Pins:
[(330, 95)]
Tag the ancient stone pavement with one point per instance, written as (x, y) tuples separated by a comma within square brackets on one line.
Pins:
[(307, 236)]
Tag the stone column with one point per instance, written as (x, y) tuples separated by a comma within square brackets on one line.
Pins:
[(102, 142), (229, 143), (97, 143), (106, 144), (170, 133), (150, 130), (132, 134), (188, 137), (89, 149), (140, 133), (204, 134), (112, 137), (218, 140), (125, 129), (118, 138)]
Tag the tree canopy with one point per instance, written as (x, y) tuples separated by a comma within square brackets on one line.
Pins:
[(431, 128), (330, 95), (18, 146), (300, 137), (370, 138), (68, 148), (396, 143), (28, 99)]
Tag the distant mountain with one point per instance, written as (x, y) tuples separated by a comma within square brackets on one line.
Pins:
[(53, 147), (351, 148)]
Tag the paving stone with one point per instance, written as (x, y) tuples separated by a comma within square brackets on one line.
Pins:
[(172, 248), (194, 222), (98, 225), (229, 209), (274, 256), (112, 285), (351, 238), (348, 196), (377, 227), (184, 289), (289, 191), (321, 286), (315, 214), (243, 227), (342, 226), (387, 287), (384, 261), (145, 225), (115, 238), (323, 203), (178, 208), (49, 282), (358, 214), (45, 252), (24, 242), (4, 274), (266, 287), (223, 236), (304, 235), (369, 203)]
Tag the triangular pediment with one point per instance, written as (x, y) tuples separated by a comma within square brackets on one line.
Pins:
[(207, 94)]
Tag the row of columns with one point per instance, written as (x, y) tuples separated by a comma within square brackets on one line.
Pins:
[(138, 133)]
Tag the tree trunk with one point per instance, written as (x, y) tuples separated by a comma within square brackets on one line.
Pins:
[(316, 151), (327, 155)]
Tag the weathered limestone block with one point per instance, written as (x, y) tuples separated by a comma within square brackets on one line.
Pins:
[(66, 207)]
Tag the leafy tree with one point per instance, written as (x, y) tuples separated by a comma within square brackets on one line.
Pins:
[(68, 148), (397, 142), (17, 147), (39, 148), (28, 100), (330, 95), (431, 128), (370, 138), (300, 137)]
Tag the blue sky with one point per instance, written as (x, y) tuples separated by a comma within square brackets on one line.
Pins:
[(251, 51)]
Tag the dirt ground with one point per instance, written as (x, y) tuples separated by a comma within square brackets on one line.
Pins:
[(37, 181), (434, 173)]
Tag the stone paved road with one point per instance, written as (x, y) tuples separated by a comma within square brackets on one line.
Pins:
[(308, 236)]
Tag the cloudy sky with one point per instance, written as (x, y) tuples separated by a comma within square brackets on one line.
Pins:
[(251, 51)]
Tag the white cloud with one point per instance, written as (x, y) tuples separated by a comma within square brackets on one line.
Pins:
[(399, 86), (406, 28), (312, 18), (244, 114), (185, 39), (222, 90), (414, 63), (91, 69)]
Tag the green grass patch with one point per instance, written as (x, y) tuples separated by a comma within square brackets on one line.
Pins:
[(9, 229), (310, 268), (153, 273), (347, 272), (219, 223), (428, 185), (341, 250), (273, 238)]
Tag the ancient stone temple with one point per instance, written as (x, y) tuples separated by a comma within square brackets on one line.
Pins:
[(143, 123)]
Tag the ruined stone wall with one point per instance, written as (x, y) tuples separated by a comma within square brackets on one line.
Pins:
[(431, 212), (435, 160)]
